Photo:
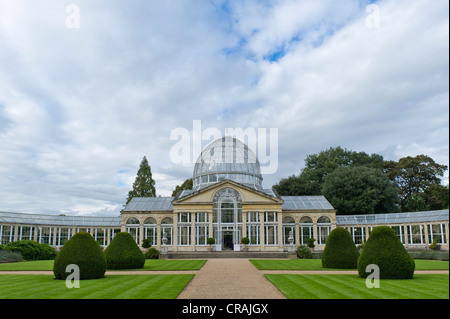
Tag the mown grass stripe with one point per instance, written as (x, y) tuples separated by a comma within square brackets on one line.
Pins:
[(423, 286), (118, 286)]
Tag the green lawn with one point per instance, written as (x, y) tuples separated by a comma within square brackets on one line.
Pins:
[(150, 264), (353, 287), (316, 264), (111, 287)]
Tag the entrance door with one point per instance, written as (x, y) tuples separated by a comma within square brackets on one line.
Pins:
[(227, 240)]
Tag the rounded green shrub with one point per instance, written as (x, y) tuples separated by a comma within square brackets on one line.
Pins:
[(124, 253), (83, 251), (340, 250), (303, 252), (152, 253), (384, 249)]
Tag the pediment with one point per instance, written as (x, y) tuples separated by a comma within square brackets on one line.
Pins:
[(248, 194)]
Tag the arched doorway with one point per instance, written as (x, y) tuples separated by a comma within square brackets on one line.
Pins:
[(227, 218)]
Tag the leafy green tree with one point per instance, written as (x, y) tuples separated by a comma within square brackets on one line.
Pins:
[(318, 166), (360, 190), (187, 184), (295, 186), (437, 197), (144, 184), (417, 176)]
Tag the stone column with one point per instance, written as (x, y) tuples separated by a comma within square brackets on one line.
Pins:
[(210, 225), (158, 233), (262, 230), (427, 241), (141, 233), (192, 230), (280, 230), (244, 224), (175, 232), (297, 234)]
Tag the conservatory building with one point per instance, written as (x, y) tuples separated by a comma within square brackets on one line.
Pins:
[(227, 203)]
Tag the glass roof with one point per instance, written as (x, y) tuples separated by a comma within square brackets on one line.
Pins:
[(227, 158), (46, 219), (305, 202), (411, 217), (149, 204), (164, 203)]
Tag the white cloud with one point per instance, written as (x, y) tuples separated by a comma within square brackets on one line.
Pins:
[(79, 108)]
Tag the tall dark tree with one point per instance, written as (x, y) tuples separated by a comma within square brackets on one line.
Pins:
[(418, 179), (187, 184), (144, 184)]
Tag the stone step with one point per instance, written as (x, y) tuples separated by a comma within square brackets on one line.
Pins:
[(227, 254)]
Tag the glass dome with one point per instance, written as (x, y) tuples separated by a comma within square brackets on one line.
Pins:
[(227, 158)]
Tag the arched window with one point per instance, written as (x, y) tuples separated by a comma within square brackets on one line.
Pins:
[(323, 229), (132, 225), (132, 221), (288, 229), (323, 220), (150, 230), (167, 229), (150, 221), (306, 220), (306, 229), (288, 220)]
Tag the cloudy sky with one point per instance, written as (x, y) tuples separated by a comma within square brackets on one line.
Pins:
[(87, 88)]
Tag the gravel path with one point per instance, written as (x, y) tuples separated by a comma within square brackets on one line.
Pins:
[(230, 279)]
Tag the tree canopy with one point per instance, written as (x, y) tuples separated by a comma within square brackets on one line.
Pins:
[(318, 166), (187, 184), (144, 184), (418, 179), (359, 183), (360, 190)]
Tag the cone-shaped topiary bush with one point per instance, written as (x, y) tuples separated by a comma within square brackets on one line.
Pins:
[(340, 250), (384, 249), (124, 253), (83, 251)]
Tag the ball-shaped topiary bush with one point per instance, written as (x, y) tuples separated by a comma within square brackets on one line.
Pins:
[(83, 251), (303, 252), (124, 253), (340, 250), (384, 249)]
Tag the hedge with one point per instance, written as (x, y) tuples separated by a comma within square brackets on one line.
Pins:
[(32, 250)]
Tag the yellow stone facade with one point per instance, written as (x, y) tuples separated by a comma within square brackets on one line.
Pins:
[(258, 213)]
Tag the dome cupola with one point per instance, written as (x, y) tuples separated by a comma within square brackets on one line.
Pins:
[(227, 158)]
